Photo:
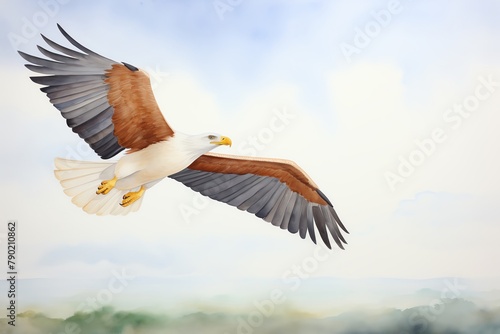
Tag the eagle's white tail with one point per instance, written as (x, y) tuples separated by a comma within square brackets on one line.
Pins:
[(80, 180)]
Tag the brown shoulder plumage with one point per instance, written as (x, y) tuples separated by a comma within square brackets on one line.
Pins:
[(137, 118)]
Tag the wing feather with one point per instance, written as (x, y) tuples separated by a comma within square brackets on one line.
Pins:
[(271, 203), (190, 178), (58, 80), (303, 220), (263, 197), (310, 222), (224, 181), (102, 138), (294, 221), (210, 183), (245, 192), (270, 216), (231, 192), (320, 221), (334, 229), (65, 50), (253, 197), (58, 57), (337, 219), (81, 95), (287, 214), (95, 124), (70, 89), (77, 115)]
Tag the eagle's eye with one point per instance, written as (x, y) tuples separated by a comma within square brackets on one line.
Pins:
[(211, 137)]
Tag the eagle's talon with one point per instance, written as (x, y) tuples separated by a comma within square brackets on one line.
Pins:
[(106, 186), (132, 196)]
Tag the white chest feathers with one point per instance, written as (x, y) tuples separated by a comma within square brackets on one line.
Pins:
[(156, 161)]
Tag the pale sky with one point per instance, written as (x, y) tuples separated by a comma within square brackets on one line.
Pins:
[(383, 128)]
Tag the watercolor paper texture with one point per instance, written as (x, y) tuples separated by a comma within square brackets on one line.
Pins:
[(391, 107)]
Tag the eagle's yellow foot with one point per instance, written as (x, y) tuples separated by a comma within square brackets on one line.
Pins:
[(132, 196), (106, 186)]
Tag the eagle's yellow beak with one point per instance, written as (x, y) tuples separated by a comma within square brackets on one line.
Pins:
[(223, 141)]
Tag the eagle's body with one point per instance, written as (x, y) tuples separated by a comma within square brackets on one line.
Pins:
[(158, 160), (112, 107), (132, 171)]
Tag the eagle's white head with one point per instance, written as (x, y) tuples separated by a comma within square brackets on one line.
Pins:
[(196, 145)]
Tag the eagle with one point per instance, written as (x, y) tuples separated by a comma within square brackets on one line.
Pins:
[(111, 106)]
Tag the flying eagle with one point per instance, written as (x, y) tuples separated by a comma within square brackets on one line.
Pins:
[(112, 107)]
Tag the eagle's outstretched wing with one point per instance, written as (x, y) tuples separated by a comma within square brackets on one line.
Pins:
[(109, 104), (278, 191)]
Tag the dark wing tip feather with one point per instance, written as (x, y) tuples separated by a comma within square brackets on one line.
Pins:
[(57, 56), (24, 55), (323, 196), (75, 43), (342, 226), (130, 67), (320, 221), (337, 219)]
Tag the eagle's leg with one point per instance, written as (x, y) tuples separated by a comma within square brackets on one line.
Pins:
[(106, 186), (132, 196)]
